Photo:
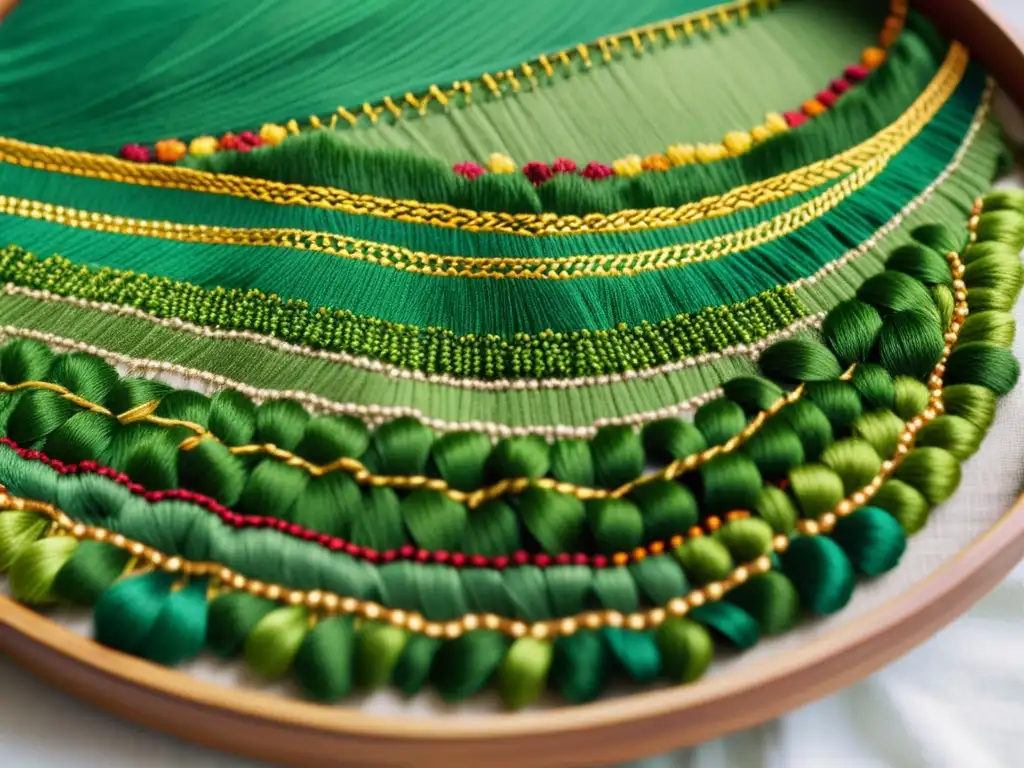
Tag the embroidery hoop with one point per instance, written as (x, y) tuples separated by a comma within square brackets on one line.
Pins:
[(624, 728)]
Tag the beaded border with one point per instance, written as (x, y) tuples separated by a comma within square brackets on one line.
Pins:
[(335, 604), (442, 215), (338, 544), (733, 144), (567, 355)]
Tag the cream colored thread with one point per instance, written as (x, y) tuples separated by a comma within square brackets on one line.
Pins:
[(751, 351)]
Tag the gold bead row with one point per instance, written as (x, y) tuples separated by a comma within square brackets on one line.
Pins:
[(329, 603), (935, 407)]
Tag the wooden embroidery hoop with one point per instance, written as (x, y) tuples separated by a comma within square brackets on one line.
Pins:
[(298, 733)]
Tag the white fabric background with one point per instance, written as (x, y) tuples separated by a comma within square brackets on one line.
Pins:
[(956, 702)]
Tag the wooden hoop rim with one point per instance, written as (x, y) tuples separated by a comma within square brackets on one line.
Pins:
[(296, 733)]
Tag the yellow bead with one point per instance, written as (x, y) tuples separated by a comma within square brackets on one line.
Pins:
[(203, 145), (630, 165), (501, 163), (682, 154), (737, 142), (760, 133), (273, 134), (709, 153), (776, 123)]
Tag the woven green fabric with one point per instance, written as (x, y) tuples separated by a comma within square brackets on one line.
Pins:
[(197, 70)]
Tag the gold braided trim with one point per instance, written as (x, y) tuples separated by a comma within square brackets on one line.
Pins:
[(472, 499), (885, 143), (329, 603), (405, 260)]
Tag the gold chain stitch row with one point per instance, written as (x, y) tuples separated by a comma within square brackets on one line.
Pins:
[(546, 64), (319, 600), (472, 499), (402, 259), (887, 141)]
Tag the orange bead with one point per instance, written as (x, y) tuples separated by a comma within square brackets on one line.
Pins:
[(889, 36), (872, 57), (620, 558), (813, 108), (695, 532), (676, 541), (656, 547), (656, 163), (170, 150), (713, 524), (639, 553)]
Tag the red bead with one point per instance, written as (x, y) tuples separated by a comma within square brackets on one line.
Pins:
[(354, 549), (563, 165), (469, 170), (337, 545), (250, 138), (281, 525), (795, 119), (542, 560), (827, 98), (580, 559), (478, 561), (596, 171), (563, 559), (840, 85), (136, 153), (390, 555), (600, 561), (371, 555), (296, 530), (243, 147), (537, 172), (441, 556), (407, 551), (422, 555), (229, 141), (326, 539), (458, 559), (856, 72), (88, 466), (521, 557), (500, 562)]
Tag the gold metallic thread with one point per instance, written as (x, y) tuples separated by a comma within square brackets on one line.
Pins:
[(883, 144), (472, 499), (418, 262)]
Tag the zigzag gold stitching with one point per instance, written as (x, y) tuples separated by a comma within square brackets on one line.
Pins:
[(883, 144)]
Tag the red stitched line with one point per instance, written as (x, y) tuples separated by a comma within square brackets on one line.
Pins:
[(333, 543)]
